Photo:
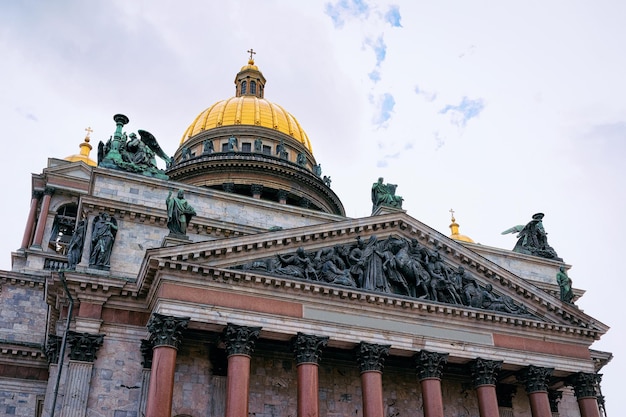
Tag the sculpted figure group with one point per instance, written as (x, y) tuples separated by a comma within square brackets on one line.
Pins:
[(393, 265)]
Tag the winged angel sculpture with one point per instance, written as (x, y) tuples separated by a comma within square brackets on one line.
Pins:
[(532, 239), (132, 153)]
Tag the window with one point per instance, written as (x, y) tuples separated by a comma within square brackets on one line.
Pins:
[(246, 147), (244, 85), (252, 87), (267, 150), (224, 147), (63, 228)]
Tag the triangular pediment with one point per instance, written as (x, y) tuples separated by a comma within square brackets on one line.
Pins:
[(302, 258), (69, 175)]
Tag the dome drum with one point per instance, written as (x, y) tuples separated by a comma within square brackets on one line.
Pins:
[(245, 170), (247, 139)]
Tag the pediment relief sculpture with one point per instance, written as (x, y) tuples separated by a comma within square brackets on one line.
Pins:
[(394, 265)]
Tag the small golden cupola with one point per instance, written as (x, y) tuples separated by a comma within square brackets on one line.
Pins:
[(454, 227), (85, 149), (250, 81)]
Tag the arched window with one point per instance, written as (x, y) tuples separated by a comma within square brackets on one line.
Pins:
[(252, 87), (63, 228), (244, 85)]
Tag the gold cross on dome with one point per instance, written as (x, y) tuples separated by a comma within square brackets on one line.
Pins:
[(251, 52), (88, 130), (452, 214)]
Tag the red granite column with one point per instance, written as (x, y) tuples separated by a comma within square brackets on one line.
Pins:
[(43, 216), (429, 372), (586, 390), (308, 352), (30, 222), (536, 380), (165, 338), (239, 342), (484, 375), (371, 359)]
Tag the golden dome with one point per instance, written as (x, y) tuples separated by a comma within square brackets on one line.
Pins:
[(248, 107), (454, 227), (85, 149), (248, 110)]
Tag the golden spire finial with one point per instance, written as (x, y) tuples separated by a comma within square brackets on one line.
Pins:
[(251, 52), (88, 130)]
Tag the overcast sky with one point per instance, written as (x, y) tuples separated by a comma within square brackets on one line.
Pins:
[(497, 110)]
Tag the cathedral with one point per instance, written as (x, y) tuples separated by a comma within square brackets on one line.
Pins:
[(226, 280)]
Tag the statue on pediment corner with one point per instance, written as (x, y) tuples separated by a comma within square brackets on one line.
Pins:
[(532, 239)]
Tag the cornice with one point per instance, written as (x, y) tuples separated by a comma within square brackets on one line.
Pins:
[(22, 353), (27, 280), (158, 217)]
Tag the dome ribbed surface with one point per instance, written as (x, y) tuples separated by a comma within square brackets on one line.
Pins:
[(248, 110)]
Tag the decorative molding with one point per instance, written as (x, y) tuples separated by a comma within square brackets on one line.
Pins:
[(371, 357), (83, 346), (308, 348), (240, 340), (535, 378), (430, 364), (166, 330), (485, 372)]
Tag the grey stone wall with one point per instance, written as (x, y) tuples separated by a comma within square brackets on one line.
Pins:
[(23, 312)]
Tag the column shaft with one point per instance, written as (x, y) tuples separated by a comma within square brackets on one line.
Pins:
[(431, 395), (588, 407), (237, 386), (372, 387), (161, 389), (308, 390), (30, 222), (43, 216), (539, 404), (487, 401)]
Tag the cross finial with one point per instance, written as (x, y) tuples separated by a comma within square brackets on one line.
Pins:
[(452, 213), (251, 52), (88, 130)]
